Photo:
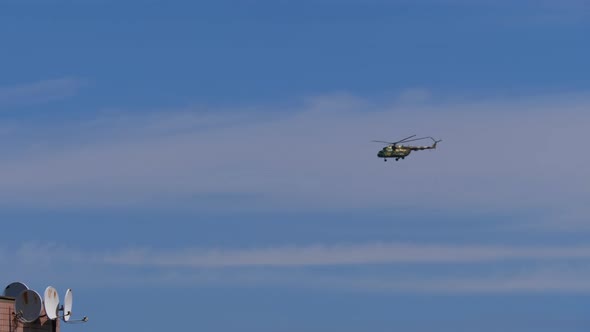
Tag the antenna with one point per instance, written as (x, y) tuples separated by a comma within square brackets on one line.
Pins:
[(14, 289), (67, 309), (51, 301), (28, 306)]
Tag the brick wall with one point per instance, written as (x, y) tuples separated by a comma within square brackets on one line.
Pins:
[(9, 324)]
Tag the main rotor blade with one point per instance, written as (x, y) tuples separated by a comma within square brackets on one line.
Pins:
[(403, 140), (407, 139), (411, 140)]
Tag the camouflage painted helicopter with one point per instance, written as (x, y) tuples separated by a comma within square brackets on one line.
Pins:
[(397, 151)]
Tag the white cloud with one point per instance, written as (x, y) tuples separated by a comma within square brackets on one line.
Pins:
[(484, 269), (39, 92), (496, 154), (550, 280), (294, 256), (375, 253)]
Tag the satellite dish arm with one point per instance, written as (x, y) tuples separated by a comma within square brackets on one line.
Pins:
[(83, 320)]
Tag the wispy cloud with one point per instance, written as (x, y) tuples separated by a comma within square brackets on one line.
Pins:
[(546, 280), (376, 253), (552, 270), (39, 92), (294, 256), (497, 153), (550, 280)]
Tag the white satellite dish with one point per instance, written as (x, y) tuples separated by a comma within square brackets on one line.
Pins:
[(51, 302), (14, 289), (67, 309), (28, 306), (68, 299)]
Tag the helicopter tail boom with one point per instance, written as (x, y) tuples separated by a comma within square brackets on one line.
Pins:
[(435, 142)]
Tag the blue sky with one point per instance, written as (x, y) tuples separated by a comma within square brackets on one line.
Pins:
[(210, 162)]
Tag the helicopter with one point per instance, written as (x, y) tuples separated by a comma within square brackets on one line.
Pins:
[(397, 151)]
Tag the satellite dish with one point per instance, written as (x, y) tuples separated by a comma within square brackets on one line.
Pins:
[(14, 289), (28, 306), (67, 309), (68, 299), (51, 301)]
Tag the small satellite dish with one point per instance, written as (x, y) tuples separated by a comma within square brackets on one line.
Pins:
[(68, 299), (14, 289), (51, 302), (28, 306), (67, 309)]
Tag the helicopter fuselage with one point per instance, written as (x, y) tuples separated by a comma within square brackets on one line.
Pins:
[(394, 152)]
